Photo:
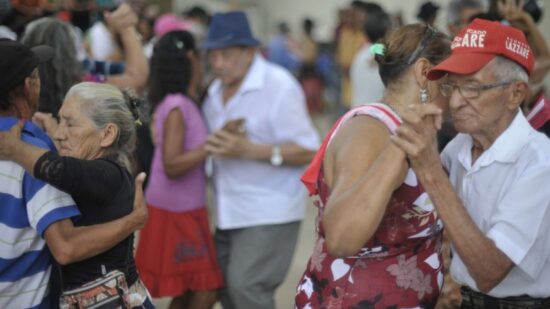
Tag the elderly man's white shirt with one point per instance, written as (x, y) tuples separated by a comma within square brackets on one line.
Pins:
[(506, 192), (248, 192)]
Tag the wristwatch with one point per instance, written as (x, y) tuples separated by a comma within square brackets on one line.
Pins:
[(276, 156)]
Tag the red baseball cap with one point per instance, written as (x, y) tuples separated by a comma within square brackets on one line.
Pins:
[(480, 42)]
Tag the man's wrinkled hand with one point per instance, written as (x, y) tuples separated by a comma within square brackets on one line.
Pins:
[(226, 144), (139, 213)]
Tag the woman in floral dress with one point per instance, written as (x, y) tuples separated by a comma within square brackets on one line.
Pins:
[(379, 238)]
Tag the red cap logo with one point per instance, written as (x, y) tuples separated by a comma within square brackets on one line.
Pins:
[(480, 42)]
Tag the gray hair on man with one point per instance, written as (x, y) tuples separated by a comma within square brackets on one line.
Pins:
[(508, 70)]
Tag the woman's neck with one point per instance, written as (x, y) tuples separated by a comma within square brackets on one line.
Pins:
[(399, 102)]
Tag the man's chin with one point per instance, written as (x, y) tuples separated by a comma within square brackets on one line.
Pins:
[(462, 127)]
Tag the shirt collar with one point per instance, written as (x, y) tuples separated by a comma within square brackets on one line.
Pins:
[(506, 148), (28, 128), (253, 79)]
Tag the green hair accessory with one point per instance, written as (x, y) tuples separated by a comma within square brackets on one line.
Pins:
[(377, 49)]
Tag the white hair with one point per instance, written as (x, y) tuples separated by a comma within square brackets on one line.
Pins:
[(508, 70), (106, 104)]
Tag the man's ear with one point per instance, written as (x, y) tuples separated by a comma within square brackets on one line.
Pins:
[(27, 85), (518, 94), (109, 135)]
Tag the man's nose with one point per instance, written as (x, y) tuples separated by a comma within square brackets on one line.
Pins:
[(456, 100)]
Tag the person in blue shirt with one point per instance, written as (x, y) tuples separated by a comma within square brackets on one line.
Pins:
[(36, 219)]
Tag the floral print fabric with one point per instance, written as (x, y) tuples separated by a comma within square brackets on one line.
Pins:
[(401, 266)]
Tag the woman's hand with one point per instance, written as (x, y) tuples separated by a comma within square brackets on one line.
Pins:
[(121, 19), (417, 135), (46, 122), (9, 141), (512, 11)]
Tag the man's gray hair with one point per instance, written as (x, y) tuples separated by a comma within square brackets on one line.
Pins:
[(508, 70), (456, 7)]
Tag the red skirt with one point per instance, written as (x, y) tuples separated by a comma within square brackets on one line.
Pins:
[(176, 254)]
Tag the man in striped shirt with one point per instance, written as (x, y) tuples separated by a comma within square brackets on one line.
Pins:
[(35, 216)]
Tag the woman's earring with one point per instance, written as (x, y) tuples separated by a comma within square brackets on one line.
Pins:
[(424, 95)]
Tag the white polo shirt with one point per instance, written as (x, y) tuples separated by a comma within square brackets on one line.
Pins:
[(250, 193), (507, 193)]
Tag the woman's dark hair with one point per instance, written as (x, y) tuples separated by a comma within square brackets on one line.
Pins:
[(171, 68), (405, 45)]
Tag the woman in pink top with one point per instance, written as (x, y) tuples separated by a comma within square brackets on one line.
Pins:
[(175, 254)]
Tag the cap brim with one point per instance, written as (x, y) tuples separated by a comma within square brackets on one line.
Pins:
[(462, 64), (43, 52)]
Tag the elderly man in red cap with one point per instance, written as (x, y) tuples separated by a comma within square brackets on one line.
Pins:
[(488, 186)]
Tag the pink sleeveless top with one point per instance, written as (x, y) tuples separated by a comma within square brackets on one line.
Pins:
[(400, 266)]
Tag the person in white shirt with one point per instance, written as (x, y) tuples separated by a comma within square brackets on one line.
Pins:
[(261, 139), (366, 84), (493, 202)]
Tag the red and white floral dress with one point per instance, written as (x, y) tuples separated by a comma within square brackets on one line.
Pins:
[(401, 266)]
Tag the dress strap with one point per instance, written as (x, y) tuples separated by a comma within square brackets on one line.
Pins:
[(380, 111)]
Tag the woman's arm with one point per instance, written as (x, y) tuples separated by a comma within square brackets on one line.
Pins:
[(176, 161), (95, 178), (124, 20), (362, 168)]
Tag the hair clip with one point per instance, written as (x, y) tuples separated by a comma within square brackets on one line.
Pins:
[(377, 49), (179, 44), (134, 101)]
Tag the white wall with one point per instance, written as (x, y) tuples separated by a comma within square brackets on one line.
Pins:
[(265, 14)]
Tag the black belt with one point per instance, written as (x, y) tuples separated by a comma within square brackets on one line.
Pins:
[(476, 300)]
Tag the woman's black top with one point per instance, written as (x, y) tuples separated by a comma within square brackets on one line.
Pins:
[(103, 191)]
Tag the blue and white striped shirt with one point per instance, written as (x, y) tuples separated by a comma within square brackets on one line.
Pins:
[(27, 207)]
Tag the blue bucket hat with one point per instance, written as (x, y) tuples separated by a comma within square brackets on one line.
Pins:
[(229, 29)]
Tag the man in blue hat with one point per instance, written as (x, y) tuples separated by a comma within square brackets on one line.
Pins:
[(261, 139)]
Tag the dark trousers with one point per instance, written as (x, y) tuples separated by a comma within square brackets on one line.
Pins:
[(476, 300)]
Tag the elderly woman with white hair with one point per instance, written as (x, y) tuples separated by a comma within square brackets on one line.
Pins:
[(95, 138)]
